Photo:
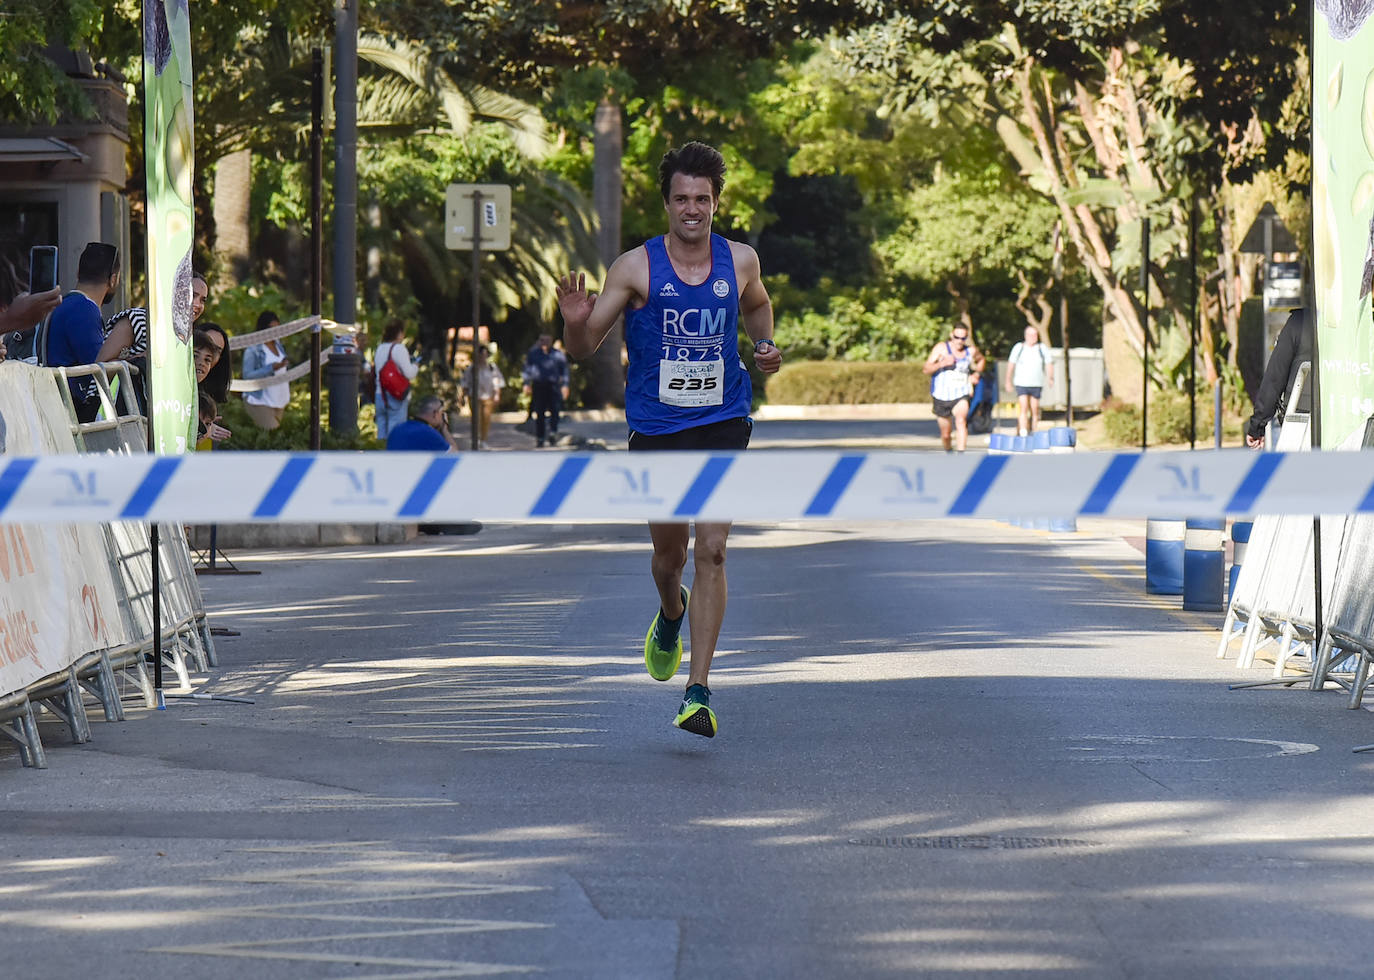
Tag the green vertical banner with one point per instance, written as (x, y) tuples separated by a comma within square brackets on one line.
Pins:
[(170, 156), (1342, 208)]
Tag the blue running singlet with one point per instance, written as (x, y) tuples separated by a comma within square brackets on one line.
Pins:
[(685, 368)]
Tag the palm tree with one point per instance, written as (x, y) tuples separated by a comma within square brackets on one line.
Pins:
[(404, 93)]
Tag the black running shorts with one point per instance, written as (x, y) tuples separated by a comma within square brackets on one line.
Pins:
[(944, 409), (729, 434)]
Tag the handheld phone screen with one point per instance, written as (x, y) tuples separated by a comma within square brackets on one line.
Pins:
[(42, 268)]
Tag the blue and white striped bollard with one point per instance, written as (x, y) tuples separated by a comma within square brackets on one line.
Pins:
[(1204, 564), (1164, 557), (1063, 439), (1040, 444)]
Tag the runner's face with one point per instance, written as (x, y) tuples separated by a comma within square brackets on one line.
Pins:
[(959, 338), (691, 204)]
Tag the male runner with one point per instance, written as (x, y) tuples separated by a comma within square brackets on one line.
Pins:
[(950, 364), (683, 296)]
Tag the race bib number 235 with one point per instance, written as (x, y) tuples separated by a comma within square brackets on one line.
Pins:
[(691, 384)]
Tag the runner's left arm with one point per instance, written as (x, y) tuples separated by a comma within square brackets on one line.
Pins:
[(755, 308)]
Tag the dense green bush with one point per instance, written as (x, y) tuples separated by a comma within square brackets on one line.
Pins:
[(1169, 417), (856, 327), (1169, 420), (848, 383), (294, 431), (1121, 422)]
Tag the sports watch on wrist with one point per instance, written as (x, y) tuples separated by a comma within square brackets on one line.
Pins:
[(765, 342)]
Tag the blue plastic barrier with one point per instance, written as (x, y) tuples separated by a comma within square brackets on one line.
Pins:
[(1062, 439), (1164, 557), (1204, 564), (1040, 443)]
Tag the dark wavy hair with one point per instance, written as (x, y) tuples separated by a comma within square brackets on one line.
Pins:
[(216, 383), (694, 160)]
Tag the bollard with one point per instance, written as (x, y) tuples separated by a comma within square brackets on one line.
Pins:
[(1204, 564), (1164, 557), (1020, 444), (1240, 537), (999, 444), (1040, 444), (1063, 439), (342, 370)]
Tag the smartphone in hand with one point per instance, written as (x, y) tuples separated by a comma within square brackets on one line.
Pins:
[(42, 268)]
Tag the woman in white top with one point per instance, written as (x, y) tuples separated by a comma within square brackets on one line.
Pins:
[(1031, 370), (266, 405), (391, 411), (489, 385)]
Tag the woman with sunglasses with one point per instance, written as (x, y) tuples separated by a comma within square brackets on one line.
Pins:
[(951, 364)]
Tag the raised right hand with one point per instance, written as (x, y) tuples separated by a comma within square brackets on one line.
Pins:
[(574, 301)]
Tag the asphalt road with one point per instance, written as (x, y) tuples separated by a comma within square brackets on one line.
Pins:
[(949, 749)]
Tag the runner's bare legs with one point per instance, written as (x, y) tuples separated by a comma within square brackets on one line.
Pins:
[(946, 429), (707, 610), (960, 425), (708, 598), (670, 557)]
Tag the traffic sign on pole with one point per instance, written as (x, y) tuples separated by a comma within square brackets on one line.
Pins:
[(492, 208)]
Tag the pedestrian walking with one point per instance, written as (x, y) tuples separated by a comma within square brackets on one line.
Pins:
[(546, 382), (1031, 370)]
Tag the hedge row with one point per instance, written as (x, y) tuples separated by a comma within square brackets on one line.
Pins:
[(848, 383)]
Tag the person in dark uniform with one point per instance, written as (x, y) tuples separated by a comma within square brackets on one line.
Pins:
[(1292, 349), (684, 296)]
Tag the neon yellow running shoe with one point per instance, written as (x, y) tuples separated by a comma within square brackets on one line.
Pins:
[(663, 642), (695, 715)]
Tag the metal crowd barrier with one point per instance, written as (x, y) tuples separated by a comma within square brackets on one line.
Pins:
[(1273, 594), (1350, 624), (105, 675)]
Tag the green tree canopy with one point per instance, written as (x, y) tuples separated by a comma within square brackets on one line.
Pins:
[(33, 89)]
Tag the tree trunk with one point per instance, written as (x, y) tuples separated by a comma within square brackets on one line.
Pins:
[(233, 192), (372, 282), (1230, 285), (607, 373)]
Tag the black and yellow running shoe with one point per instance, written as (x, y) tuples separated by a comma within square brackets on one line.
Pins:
[(695, 715), (663, 642)]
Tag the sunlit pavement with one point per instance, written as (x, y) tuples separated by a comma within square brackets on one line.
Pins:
[(946, 749)]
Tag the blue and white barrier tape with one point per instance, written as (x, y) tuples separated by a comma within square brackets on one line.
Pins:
[(762, 486)]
